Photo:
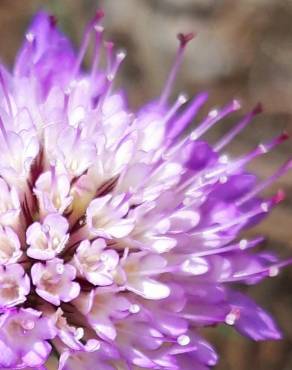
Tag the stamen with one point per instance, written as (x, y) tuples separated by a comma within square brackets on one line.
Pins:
[(182, 122), (109, 53), (241, 162), (270, 271), (183, 39), (97, 46), (213, 117), (264, 184), (120, 56), (242, 245), (225, 140), (181, 100), (265, 147), (86, 38), (262, 208)]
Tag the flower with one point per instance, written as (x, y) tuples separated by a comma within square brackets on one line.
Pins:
[(119, 237), (24, 338)]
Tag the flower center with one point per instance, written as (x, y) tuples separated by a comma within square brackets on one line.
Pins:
[(9, 290), (6, 249)]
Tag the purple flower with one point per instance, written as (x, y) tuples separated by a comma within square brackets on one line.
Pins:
[(24, 338), (119, 236), (10, 249), (48, 239), (96, 262), (54, 281), (14, 285)]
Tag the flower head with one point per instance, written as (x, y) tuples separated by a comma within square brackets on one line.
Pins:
[(119, 236)]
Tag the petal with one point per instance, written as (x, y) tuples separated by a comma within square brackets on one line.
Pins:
[(252, 320), (121, 228), (104, 327), (38, 354), (148, 288), (44, 51), (8, 357)]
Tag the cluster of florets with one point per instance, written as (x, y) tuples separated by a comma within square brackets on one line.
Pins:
[(118, 236)]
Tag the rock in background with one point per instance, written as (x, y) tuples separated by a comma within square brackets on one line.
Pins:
[(243, 49)]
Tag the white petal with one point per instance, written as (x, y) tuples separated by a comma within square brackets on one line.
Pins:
[(148, 288)]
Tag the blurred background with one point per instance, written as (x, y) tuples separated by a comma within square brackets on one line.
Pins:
[(243, 50)]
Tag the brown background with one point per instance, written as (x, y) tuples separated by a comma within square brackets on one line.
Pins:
[(243, 50)]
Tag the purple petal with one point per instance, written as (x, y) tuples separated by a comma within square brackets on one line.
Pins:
[(252, 320)]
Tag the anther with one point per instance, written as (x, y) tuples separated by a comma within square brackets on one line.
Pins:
[(121, 55), (30, 37), (233, 316), (46, 228), (185, 38), (213, 113), (59, 268), (53, 20), (183, 340), (274, 271), (257, 109), (243, 244), (27, 324), (99, 14), (279, 197), (134, 308)]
